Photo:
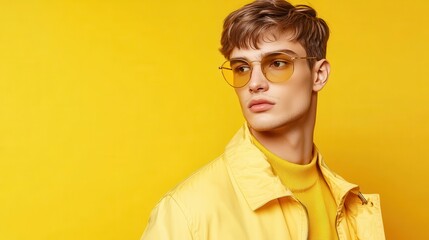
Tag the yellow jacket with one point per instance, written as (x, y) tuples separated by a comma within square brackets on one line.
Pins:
[(238, 197)]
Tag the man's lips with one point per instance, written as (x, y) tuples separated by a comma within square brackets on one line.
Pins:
[(260, 105)]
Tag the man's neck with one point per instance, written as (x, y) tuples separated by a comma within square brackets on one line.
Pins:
[(295, 146)]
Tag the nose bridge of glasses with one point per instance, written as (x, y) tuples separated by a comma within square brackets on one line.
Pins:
[(252, 66), (257, 75)]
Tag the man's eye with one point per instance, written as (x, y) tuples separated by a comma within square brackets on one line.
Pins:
[(241, 69), (279, 64)]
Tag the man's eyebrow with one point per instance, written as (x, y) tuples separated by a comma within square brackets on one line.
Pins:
[(287, 51), (239, 59)]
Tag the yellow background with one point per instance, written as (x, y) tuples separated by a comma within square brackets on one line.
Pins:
[(105, 105)]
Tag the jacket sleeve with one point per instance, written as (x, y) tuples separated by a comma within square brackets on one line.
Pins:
[(167, 221)]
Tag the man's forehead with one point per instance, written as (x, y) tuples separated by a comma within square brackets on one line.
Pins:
[(282, 44)]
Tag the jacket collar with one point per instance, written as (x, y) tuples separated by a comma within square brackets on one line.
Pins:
[(339, 187), (253, 174)]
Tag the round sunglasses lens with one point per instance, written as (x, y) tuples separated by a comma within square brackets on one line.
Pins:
[(236, 73), (277, 67)]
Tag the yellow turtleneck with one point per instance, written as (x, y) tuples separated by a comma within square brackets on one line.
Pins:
[(308, 185)]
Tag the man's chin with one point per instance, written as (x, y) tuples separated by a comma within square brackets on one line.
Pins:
[(262, 126)]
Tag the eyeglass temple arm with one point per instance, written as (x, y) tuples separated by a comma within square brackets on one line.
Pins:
[(224, 68), (304, 57)]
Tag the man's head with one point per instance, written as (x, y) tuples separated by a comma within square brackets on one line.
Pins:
[(277, 63), (248, 26)]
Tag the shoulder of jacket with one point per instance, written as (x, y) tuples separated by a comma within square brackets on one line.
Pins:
[(202, 194), (206, 181)]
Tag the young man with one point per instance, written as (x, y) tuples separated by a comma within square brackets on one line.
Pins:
[(271, 182)]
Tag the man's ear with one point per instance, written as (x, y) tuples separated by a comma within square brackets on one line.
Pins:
[(321, 71)]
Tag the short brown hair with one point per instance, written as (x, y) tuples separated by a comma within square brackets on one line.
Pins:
[(247, 26)]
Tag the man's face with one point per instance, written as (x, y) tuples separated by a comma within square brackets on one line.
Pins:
[(269, 106)]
